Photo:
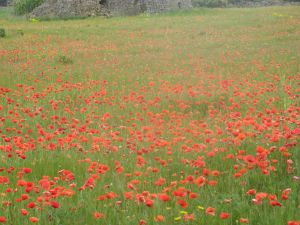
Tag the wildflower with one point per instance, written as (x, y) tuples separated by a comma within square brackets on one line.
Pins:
[(24, 212), (31, 205), (182, 203), (285, 193), (34, 20), (275, 203), (55, 205), (244, 220), (193, 195), (128, 195), (251, 192), (224, 215), (160, 182), (261, 195), (292, 222), (189, 216), (34, 219), (210, 211), (27, 170), (3, 219), (149, 202), (143, 222), (111, 195), (24, 196), (98, 215), (159, 218), (177, 218), (164, 197), (200, 207)]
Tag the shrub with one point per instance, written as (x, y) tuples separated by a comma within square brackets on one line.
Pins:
[(2, 32), (22, 7), (20, 32)]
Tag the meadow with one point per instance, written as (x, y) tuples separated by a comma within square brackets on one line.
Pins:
[(181, 118)]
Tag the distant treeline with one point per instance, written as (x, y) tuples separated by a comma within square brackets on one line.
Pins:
[(240, 3)]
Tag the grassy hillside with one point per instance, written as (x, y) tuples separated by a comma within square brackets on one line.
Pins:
[(181, 118)]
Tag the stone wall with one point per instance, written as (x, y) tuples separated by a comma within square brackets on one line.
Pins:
[(180, 4), (157, 6), (130, 7), (4, 2), (68, 8), (71, 8), (124, 7)]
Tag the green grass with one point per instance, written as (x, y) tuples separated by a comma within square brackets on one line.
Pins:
[(171, 83)]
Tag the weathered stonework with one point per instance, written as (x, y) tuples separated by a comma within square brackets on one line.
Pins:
[(70, 8), (129, 7), (6, 3)]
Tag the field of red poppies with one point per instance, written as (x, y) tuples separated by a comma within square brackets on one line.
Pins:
[(183, 118)]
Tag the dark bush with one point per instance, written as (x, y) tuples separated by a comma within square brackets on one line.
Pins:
[(2, 32), (22, 7)]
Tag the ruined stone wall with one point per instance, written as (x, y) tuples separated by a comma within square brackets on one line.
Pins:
[(5, 2), (124, 7), (179, 4), (71, 8), (68, 8), (132, 7), (156, 6)]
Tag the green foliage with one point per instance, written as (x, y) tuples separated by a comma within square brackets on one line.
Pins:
[(20, 32), (22, 7), (2, 32)]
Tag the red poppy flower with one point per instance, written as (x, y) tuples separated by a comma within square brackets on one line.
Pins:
[(143, 222), (149, 202), (285, 193), (34, 219), (189, 216), (55, 205), (224, 215), (27, 170), (244, 220), (210, 211), (182, 203), (164, 197), (251, 192), (3, 219), (31, 205), (193, 195), (24, 212), (159, 218), (98, 215)]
